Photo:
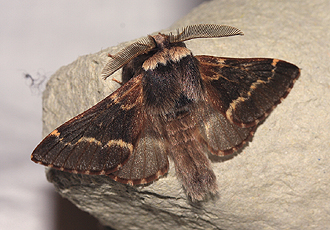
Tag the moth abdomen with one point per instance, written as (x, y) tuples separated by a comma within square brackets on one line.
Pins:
[(192, 166)]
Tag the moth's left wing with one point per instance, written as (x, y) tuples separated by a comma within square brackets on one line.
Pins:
[(246, 90), (99, 140), (148, 161)]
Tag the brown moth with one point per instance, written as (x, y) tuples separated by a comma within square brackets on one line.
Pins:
[(171, 105)]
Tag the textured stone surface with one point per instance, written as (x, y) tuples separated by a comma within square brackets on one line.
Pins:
[(280, 180)]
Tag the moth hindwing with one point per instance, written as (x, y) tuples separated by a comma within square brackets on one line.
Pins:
[(171, 104)]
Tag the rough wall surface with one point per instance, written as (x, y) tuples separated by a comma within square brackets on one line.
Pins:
[(281, 180)]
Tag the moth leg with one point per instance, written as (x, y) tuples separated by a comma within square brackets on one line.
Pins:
[(115, 80)]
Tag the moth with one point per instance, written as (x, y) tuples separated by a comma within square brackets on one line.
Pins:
[(174, 105)]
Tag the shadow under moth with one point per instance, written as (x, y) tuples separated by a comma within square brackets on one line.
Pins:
[(171, 105)]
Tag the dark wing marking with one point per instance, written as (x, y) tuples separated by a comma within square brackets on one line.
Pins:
[(148, 161), (99, 140), (246, 90)]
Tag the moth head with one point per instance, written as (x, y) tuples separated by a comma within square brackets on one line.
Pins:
[(146, 44)]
